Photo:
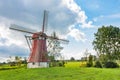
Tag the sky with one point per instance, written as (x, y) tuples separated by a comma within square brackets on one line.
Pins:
[(74, 20)]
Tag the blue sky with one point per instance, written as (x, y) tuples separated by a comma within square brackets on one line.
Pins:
[(75, 20)]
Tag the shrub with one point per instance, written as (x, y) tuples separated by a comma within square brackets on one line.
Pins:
[(111, 65), (90, 61), (61, 64), (98, 64), (89, 64)]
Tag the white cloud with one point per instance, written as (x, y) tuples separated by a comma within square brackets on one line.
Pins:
[(87, 25), (3, 59), (76, 33), (62, 14), (93, 52), (9, 37), (81, 17), (29, 14), (62, 17), (70, 4), (80, 14)]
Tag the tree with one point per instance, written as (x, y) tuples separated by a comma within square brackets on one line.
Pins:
[(90, 61), (107, 43), (11, 61), (18, 60), (72, 58), (86, 53)]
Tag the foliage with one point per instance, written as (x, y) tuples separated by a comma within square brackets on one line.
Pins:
[(107, 42), (60, 73), (24, 61), (90, 61), (18, 60), (57, 63), (12, 63), (8, 67), (111, 65), (72, 59), (86, 54), (98, 64), (83, 64), (15, 61), (61, 64)]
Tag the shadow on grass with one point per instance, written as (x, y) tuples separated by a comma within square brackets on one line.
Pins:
[(7, 68), (10, 68)]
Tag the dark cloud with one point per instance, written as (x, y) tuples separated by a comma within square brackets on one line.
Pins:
[(30, 11), (13, 50)]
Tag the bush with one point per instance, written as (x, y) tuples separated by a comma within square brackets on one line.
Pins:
[(90, 61), (89, 64), (98, 64), (111, 65), (61, 64)]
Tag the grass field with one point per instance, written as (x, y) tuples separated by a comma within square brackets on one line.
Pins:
[(71, 71), (60, 74)]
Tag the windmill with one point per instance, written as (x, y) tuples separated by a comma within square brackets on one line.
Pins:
[(37, 44)]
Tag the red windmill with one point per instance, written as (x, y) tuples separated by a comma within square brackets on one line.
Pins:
[(37, 44)]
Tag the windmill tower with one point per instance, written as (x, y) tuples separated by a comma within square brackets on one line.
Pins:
[(37, 44)]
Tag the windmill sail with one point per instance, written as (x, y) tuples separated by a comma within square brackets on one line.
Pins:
[(22, 29), (45, 20)]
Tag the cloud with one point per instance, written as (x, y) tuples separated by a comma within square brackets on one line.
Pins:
[(70, 4), (88, 25), (29, 14), (11, 43), (2, 59), (13, 50), (111, 19), (80, 14), (8, 37), (62, 13), (76, 33)]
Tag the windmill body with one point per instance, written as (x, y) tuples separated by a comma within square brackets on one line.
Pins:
[(37, 43), (38, 54)]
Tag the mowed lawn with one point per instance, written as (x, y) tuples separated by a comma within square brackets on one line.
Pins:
[(61, 73)]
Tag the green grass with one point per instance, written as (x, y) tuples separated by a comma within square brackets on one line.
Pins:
[(71, 71), (75, 64), (72, 64), (8, 67), (60, 73)]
